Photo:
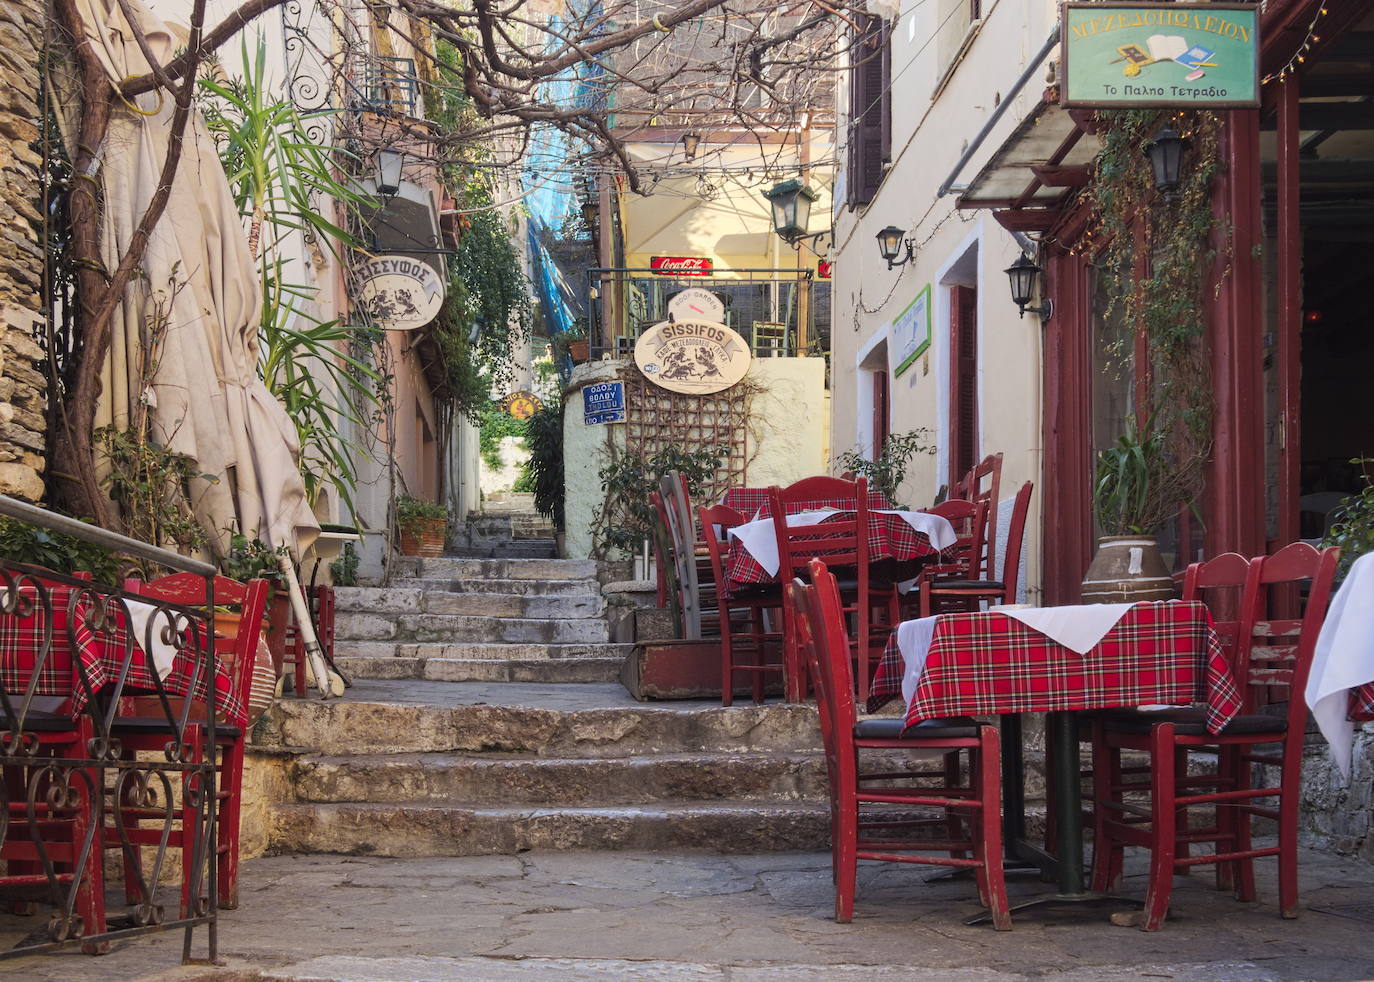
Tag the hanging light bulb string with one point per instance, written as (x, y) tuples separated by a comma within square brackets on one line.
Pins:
[(1299, 56)]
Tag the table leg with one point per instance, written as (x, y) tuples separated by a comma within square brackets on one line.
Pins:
[(1062, 731), (1013, 783)]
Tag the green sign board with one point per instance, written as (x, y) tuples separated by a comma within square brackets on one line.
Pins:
[(1177, 54)]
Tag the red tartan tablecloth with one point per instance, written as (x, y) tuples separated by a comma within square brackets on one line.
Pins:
[(99, 656), (1362, 703), (988, 663), (890, 537), (753, 502)]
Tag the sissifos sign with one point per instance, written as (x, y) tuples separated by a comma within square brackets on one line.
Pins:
[(1156, 55), (695, 357), (681, 265), (399, 293)]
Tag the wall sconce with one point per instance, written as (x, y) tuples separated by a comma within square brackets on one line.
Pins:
[(388, 164), (1165, 153), (590, 212), (890, 242), (690, 142), (1023, 273)]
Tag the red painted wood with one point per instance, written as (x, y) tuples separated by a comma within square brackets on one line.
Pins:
[(1235, 492), (963, 387), (1289, 309), (882, 411)]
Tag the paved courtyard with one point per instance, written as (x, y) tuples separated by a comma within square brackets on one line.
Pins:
[(690, 917)]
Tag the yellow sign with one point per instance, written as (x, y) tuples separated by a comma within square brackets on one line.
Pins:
[(522, 404), (695, 357)]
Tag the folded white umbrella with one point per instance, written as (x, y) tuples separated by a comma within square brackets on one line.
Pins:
[(1344, 660)]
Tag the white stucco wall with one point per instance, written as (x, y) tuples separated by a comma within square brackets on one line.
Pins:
[(584, 453), (931, 128)]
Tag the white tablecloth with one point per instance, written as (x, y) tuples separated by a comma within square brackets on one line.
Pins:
[(1344, 660)]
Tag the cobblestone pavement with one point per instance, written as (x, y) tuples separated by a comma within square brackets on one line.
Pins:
[(686, 917)]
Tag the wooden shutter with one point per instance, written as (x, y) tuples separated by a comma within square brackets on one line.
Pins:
[(870, 110), (882, 411), (963, 388)]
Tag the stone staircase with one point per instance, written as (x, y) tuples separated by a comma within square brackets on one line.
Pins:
[(485, 718)]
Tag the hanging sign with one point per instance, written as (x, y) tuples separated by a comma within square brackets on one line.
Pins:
[(1176, 54), (603, 402), (680, 265), (694, 303), (399, 293), (521, 405), (695, 357)]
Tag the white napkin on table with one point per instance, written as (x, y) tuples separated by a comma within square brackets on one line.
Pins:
[(913, 641), (161, 652), (1344, 659), (1079, 627), (935, 528), (761, 542)]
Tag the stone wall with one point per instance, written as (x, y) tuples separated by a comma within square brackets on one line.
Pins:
[(22, 382), (1337, 816)]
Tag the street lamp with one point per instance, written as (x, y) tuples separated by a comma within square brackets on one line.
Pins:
[(590, 211), (1165, 153), (388, 164), (1023, 273), (690, 142), (890, 243), (791, 204)]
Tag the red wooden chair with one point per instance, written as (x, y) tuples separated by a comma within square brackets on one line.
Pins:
[(839, 542), (1268, 653), (983, 484), (819, 622), (938, 595), (742, 627), (152, 733)]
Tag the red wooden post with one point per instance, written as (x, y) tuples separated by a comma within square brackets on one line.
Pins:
[(1289, 310)]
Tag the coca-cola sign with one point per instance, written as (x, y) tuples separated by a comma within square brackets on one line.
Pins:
[(825, 269), (680, 265)]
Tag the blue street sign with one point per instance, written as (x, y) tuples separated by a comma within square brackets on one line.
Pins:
[(603, 403)]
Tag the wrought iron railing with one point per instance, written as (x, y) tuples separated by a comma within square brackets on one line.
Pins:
[(70, 650), (389, 84)]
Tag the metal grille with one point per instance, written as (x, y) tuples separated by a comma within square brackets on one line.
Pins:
[(657, 419)]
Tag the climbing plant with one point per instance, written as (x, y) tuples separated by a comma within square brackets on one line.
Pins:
[(1157, 253)]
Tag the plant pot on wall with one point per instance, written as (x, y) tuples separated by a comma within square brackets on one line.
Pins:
[(1127, 569), (423, 537), (579, 351)]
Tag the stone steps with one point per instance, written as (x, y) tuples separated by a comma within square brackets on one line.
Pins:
[(383, 650), (455, 830), (575, 669), (458, 568), (356, 626), (411, 600), (504, 586)]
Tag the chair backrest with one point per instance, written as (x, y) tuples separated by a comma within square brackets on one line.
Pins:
[(970, 522), (188, 589), (1278, 652), (1220, 584), (833, 655), (801, 599), (983, 483), (716, 521), (1016, 534), (841, 541), (818, 488), (663, 548), (673, 490)]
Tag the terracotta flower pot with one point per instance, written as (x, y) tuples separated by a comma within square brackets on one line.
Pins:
[(424, 537), (1127, 569), (579, 351)]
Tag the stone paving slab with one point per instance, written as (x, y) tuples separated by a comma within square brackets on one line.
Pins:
[(687, 917)]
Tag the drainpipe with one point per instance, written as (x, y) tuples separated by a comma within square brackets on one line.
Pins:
[(1001, 108)]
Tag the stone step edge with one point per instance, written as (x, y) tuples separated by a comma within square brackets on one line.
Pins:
[(500, 650)]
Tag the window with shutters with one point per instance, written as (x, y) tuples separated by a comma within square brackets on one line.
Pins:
[(963, 382), (870, 109)]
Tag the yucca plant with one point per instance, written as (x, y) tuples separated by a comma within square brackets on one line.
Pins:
[(1132, 490)]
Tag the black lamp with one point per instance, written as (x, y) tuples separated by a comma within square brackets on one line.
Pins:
[(590, 211), (1023, 273), (791, 203), (389, 164), (690, 142), (890, 243), (1165, 153)]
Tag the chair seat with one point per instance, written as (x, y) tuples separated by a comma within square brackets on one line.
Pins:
[(895, 728), (970, 585), (1191, 722), (137, 725), (40, 722)]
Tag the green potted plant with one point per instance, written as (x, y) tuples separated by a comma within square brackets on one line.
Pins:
[(422, 526), (887, 473), (1352, 526), (1134, 494), (574, 341)]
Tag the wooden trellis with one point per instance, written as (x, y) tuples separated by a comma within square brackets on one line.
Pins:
[(656, 419)]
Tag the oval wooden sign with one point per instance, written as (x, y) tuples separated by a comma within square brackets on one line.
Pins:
[(695, 357), (399, 293)]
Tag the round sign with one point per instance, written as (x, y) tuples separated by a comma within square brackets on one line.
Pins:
[(696, 304), (399, 293), (692, 356), (522, 404)]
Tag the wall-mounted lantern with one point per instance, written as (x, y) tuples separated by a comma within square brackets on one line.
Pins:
[(388, 164), (791, 204), (1165, 153), (1023, 275), (690, 142), (891, 241)]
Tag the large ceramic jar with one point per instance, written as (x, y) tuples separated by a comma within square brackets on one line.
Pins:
[(1127, 569)]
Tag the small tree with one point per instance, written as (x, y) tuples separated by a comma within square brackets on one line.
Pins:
[(627, 517), (887, 473)]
